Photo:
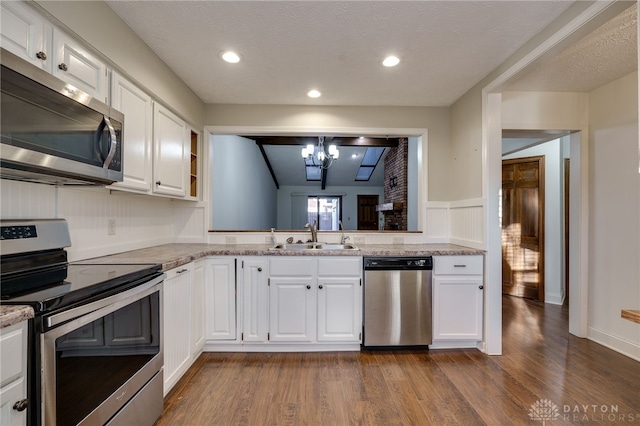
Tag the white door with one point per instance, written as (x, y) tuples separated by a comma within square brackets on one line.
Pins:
[(25, 33), (254, 300), (339, 309), (220, 291), (457, 308), (169, 147), (292, 302), (176, 322), (137, 108), (76, 65)]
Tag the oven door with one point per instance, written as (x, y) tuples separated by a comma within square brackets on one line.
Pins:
[(103, 356)]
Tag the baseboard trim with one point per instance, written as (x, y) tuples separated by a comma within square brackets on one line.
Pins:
[(625, 347), (286, 347)]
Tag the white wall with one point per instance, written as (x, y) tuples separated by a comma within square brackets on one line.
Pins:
[(554, 279), (349, 201), (242, 197), (614, 209)]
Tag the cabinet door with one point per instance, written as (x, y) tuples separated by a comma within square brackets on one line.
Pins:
[(9, 395), (457, 308), (221, 299), (339, 309), (176, 321), (26, 33), (74, 64), (137, 108), (169, 143), (254, 300), (292, 302), (198, 308)]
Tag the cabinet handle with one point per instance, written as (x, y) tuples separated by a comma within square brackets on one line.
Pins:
[(259, 269), (41, 55), (308, 287), (181, 271), (63, 67), (481, 287), (459, 266), (158, 183), (320, 286), (21, 405)]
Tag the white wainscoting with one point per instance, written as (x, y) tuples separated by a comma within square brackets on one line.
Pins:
[(456, 222), (190, 224), (140, 221)]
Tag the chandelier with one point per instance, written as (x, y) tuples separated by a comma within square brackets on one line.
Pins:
[(317, 153)]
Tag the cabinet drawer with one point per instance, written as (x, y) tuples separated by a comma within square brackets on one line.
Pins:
[(458, 265), (340, 267), (13, 352), (292, 266)]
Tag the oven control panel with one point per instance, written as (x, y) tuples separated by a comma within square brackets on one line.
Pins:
[(16, 232)]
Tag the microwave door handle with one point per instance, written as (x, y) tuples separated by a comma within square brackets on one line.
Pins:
[(113, 144)]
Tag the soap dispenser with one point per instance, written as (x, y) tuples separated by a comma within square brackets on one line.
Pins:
[(273, 236)]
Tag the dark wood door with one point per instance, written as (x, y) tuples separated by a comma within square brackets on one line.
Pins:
[(523, 227), (367, 214)]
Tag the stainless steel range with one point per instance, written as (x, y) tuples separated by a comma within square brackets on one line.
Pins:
[(95, 349)]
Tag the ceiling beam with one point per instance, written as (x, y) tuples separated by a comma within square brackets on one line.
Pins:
[(313, 140), (268, 163)]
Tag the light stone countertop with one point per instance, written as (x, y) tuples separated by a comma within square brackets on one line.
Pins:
[(174, 255), (10, 314)]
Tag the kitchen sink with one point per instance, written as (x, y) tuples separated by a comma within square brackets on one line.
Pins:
[(314, 246)]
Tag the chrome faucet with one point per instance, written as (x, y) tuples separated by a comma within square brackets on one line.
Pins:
[(314, 231), (343, 238)]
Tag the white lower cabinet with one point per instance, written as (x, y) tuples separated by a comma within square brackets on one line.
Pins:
[(254, 280), (13, 374), (220, 299), (458, 300), (182, 321), (292, 300)]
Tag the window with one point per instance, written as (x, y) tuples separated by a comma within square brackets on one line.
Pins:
[(327, 211), (369, 162)]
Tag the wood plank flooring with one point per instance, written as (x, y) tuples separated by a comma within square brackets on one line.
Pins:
[(540, 361)]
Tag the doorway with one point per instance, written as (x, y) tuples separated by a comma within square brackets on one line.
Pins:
[(522, 223), (367, 214)]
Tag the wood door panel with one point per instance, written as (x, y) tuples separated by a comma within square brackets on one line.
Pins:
[(522, 227), (367, 214)]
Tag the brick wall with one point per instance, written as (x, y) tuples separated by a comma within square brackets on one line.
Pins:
[(395, 185)]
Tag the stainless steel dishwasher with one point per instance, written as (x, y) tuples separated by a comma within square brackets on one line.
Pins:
[(397, 301)]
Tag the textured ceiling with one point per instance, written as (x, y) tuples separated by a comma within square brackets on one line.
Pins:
[(606, 54), (446, 47)]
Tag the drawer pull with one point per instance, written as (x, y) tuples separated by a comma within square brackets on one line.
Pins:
[(21, 405), (459, 266), (181, 271), (481, 287)]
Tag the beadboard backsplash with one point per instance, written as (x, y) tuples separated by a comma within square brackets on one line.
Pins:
[(140, 221)]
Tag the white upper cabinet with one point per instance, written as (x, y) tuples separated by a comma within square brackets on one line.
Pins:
[(74, 64), (170, 144), (27, 34), (137, 107)]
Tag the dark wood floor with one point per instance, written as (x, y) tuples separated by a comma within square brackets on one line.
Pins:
[(541, 366)]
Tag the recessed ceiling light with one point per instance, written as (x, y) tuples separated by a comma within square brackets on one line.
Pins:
[(231, 57), (313, 93), (391, 61)]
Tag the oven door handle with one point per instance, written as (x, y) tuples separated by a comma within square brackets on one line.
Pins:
[(70, 314)]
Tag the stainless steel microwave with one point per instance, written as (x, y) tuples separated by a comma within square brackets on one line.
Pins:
[(52, 132)]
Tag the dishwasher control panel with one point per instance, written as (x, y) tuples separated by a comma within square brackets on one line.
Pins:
[(398, 263)]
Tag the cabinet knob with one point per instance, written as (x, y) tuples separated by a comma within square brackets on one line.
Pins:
[(41, 55), (320, 286), (63, 67), (21, 405), (259, 269), (158, 183), (481, 287), (308, 287)]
